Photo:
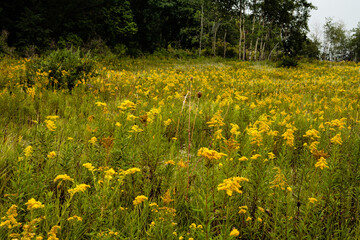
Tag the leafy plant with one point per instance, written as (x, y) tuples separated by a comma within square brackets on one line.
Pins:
[(61, 69)]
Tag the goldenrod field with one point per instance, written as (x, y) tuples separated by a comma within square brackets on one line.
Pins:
[(170, 149)]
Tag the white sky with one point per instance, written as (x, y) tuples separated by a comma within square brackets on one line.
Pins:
[(346, 11)]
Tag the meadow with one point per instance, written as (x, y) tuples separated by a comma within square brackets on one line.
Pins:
[(174, 149)]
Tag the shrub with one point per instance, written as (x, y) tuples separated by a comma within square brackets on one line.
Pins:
[(61, 69), (288, 62)]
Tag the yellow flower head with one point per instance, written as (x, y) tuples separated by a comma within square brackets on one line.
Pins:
[(78, 188), (210, 154), (234, 233), (77, 218), (33, 204), (313, 200), (167, 197), (289, 137), (93, 140), (337, 139), (139, 199), (89, 166), (127, 105), (132, 171), (321, 163), (231, 185), (28, 151), (50, 125), (243, 159), (63, 177), (234, 129), (172, 162), (167, 122), (136, 129), (52, 233), (216, 120), (51, 155)]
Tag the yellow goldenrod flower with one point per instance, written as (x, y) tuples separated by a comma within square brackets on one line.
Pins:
[(109, 173), (136, 129), (231, 185), (234, 129), (337, 139), (50, 125), (100, 104), (167, 122), (289, 137), (63, 177), (127, 105), (9, 220), (312, 134), (271, 155), (321, 163), (167, 197), (256, 156), (139, 199), (210, 154), (89, 166), (130, 117), (216, 120), (132, 171), (313, 200), (51, 155), (75, 218), (33, 204), (182, 164), (53, 232), (172, 162), (243, 209), (234, 233), (53, 117), (248, 219), (118, 124), (93, 140), (243, 159), (79, 188), (28, 151)]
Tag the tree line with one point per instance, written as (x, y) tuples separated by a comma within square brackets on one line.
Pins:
[(245, 29)]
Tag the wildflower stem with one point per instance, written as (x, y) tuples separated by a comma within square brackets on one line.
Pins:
[(189, 143)]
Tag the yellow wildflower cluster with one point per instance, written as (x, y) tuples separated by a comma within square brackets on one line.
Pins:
[(321, 163), (231, 185), (50, 125), (63, 177), (127, 105), (78, 188), (210, 154), (139, 199), (33, 204), (216, 121), (9, 220)]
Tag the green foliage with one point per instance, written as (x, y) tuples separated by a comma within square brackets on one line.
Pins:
[(61, 69), (288, 62)]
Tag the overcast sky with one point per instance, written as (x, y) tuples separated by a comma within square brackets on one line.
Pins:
[(347, 11)]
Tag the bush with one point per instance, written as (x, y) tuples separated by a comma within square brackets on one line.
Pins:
[(288, 62), (61, 69)]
